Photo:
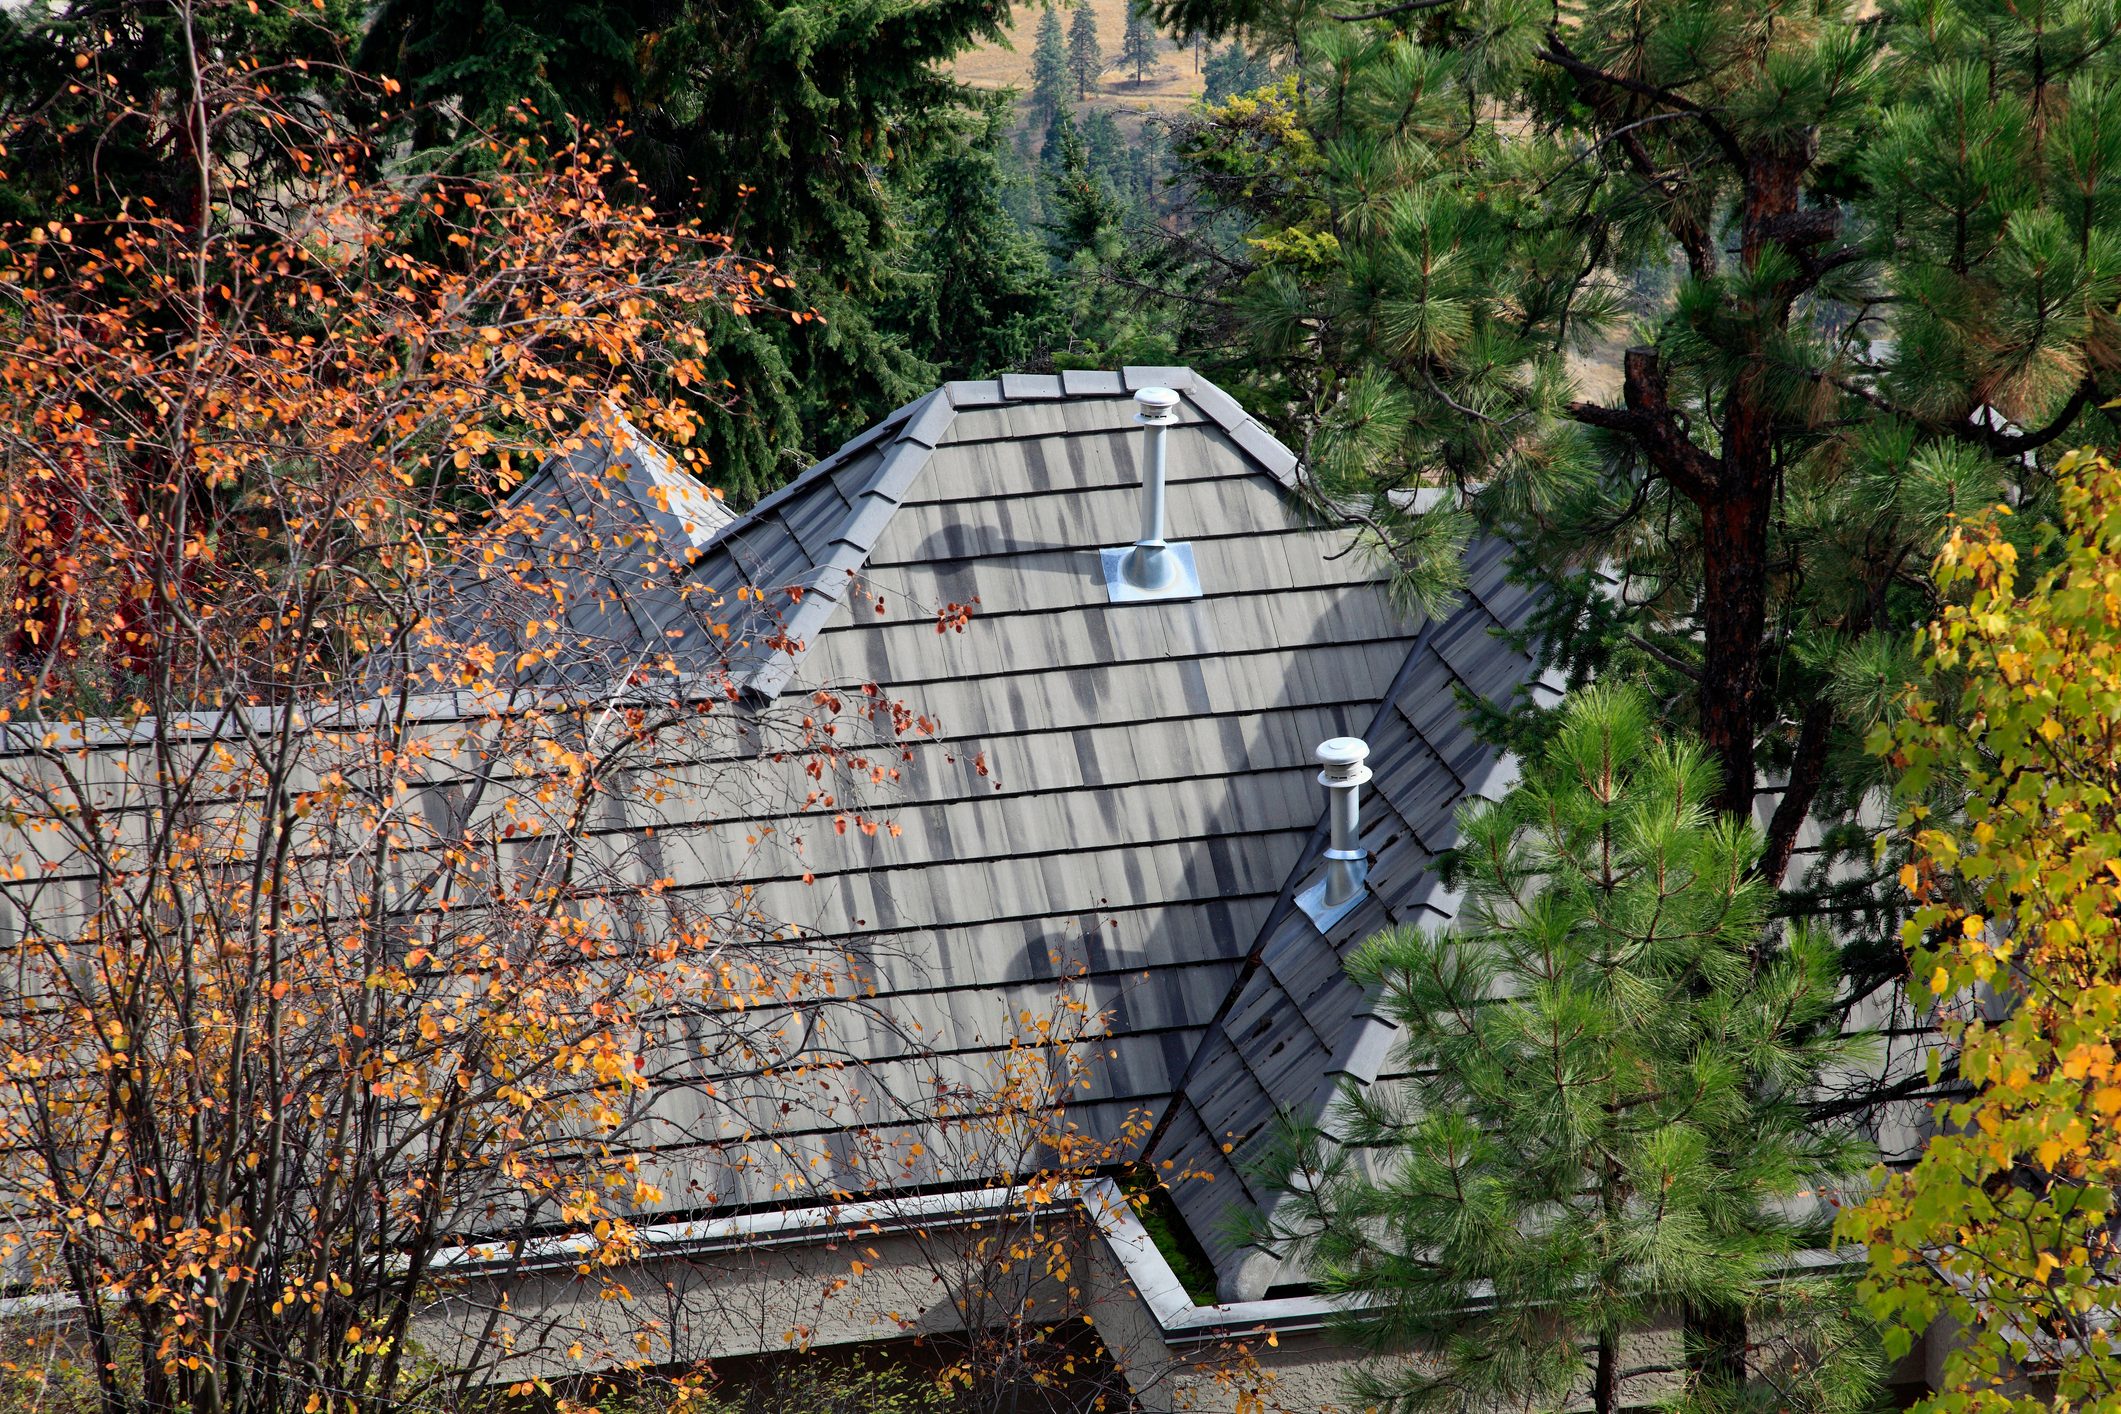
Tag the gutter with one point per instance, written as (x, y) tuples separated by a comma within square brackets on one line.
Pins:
[(777, 1227), (1148, 1273), (1099, 1199), (1150, 1276), (1178, 1320)]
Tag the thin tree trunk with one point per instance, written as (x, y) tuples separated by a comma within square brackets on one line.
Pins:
[(1605, 1378), (1807, 772)]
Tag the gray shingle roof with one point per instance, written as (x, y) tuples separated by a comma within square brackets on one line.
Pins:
[(1122, 798), (1294, 1028), (601, 540)]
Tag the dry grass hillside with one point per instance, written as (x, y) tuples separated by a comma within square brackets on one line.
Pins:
[(1175, 83)]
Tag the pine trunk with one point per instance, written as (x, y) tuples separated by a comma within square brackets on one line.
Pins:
[(1734, 547), (1734, 519)]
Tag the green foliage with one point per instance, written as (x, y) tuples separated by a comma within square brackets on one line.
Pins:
[(2011, 783), (1049, 63), (1738, 304), (1233, 70), (1099, 219), (808, 131), (985, 299), (1086, 59), (1175, 1243), (1606, 1118), (826, 1386)]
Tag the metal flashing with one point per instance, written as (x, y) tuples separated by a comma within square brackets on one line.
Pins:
[(1220, 407), (1091, 383), (975, 393), (1263, 447), (1184, 582), (901, 464), (1324, 915), (871, 514), (928, 423), (1138, 376)]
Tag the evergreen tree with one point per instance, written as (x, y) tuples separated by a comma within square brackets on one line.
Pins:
[(1049, 63), (1102, 273), (1864, 264), (986, 301), (1086, 60), (1105, 149), (802, 131), (1606, 1116), (1232, 70), (1082, 209), (1147, 158), (1138, 43)]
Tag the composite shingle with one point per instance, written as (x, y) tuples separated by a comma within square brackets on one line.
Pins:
[(1113, 804)]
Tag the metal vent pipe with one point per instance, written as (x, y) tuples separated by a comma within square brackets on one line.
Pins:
[(1342, 774), (1150, 565)]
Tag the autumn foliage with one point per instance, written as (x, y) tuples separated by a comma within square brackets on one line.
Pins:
[(2006, 1224), (237, 440), (320, 981)]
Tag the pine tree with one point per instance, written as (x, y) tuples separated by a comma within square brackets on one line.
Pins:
[(1080, 204), (1605, 1118), (1086, 60), (1138, 43), (1049, 63), (1147, 158), (1105, 150), (1865, 262)]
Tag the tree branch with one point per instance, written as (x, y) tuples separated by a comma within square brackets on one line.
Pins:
[(2011, 444), (2007, 444), (1649, 420), (1906, 1088), (1557, 53), (1677, 664), (1405, 7), (1807, 769)]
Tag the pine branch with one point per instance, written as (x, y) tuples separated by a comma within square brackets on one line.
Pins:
[(1650, 421), (1980, 434), (1691, 672), (1558, 54), (1906, 1088), (2012, 444), (1407, 7), (1807, 770)]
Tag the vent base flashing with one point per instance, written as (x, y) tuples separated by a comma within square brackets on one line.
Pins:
[(1322, 914), (1184, 582)]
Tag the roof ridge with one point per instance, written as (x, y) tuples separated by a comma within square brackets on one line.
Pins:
[(907, 440)]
